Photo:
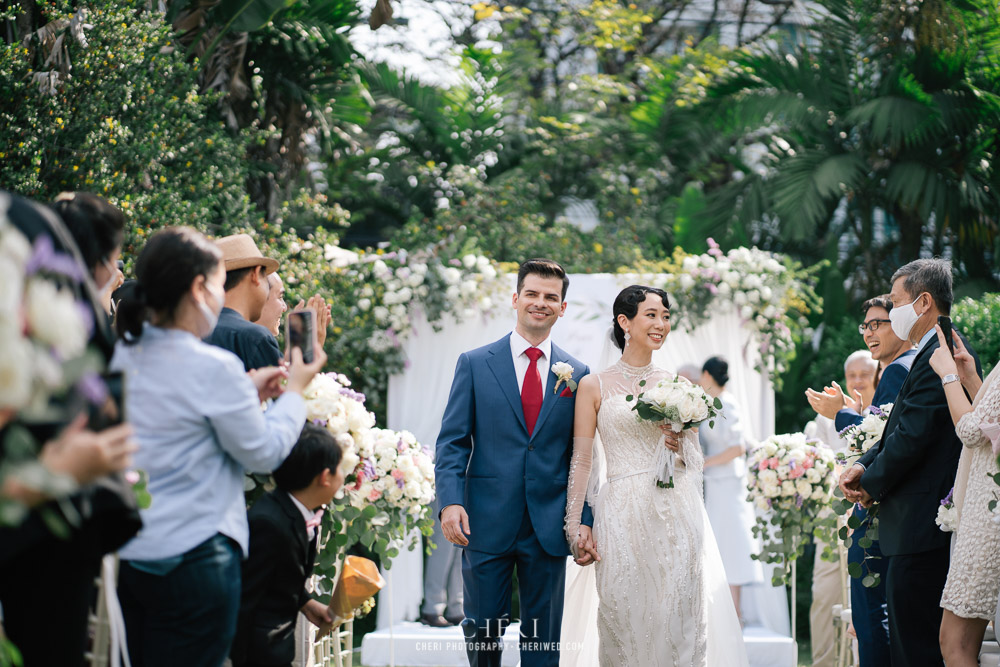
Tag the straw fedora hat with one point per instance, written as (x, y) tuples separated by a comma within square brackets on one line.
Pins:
[(240, 252)]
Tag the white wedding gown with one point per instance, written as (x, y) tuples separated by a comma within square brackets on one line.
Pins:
[(663, 596)]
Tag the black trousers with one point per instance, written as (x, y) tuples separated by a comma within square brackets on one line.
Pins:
[(913, 590)]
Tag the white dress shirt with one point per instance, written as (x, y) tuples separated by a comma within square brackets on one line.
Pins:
[(199, 426), (521, 361), (307, 514)]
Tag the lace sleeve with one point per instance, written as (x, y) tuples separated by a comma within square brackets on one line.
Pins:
[(987, 411), (576, 492)]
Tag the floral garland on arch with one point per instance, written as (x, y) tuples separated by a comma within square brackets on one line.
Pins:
[(771, 293)]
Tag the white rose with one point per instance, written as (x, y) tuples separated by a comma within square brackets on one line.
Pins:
[(772, 490), (746, 312), (692, 409), (54, 318), (15, 373), (739, 298), (11, 289), (562, 369), (349, 462), (469, 287), (804, 487), (451, 275), (469, 261), (725, 289), (15, 247), (686, 281), (381, 314), (452, 293), (364, 304), (813, 475), (488, 272), (336, 425), (788, 488)]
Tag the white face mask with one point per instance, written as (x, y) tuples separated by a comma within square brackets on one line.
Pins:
[(211, 315), (903, 318)]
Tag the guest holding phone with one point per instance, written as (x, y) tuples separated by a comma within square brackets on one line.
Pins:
[(199, 426), (970, 593)]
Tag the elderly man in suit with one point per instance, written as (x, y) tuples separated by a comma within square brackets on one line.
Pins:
[(912, 468)]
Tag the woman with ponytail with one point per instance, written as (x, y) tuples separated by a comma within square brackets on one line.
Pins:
[(731, 514), (199, 426)]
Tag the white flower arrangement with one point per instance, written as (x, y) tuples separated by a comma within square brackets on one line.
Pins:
[(43, 328), (791, 480)]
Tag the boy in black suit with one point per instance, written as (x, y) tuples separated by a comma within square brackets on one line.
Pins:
[(282, 551)]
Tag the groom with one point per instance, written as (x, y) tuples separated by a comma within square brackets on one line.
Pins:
[(502, 464)]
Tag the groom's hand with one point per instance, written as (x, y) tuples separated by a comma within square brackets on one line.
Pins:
[(586, 548), (455, 522)]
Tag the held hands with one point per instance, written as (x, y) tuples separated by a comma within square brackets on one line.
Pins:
[(585, 549), (319, 615), (455, 525), (850, 484), (944, 363)]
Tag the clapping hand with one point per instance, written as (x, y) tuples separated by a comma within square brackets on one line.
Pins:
[(827, 402), (585, 550)]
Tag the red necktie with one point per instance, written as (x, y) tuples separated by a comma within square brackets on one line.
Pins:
[(531, 390)]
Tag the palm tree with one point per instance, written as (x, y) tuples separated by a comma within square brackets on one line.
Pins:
[(882, 128)]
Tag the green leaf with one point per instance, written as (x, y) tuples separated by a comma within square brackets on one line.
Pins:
[(853, 522), (246, 15), (869, 581), (854, 569)]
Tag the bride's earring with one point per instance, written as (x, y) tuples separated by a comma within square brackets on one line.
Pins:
[(628, 337)]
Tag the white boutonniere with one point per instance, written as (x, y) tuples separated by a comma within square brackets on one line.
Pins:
[(564, 373)]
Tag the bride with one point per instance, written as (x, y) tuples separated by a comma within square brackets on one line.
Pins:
[(663, 598)]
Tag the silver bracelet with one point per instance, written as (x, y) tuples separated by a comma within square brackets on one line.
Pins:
[(948, 379)]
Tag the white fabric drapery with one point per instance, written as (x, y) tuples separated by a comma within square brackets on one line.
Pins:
[(417, 399)]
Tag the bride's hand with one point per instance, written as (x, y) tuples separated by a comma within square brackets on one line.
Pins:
[(672, 439), (585, 551)]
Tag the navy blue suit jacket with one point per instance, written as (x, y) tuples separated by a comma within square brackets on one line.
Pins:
[(888, 388), (487, 462)]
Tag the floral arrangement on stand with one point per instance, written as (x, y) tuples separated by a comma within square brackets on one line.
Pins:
[(792, 479), (46, 368), (859, 438), (388, 479), (771, 293)]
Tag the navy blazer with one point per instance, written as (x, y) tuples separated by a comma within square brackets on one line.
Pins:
[(487, 462), (886, 392), (913, 467)]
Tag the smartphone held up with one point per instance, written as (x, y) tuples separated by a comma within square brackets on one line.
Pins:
[(300, 332), (949, 337)]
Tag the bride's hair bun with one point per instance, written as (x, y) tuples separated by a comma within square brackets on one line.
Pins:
[(627, 304)]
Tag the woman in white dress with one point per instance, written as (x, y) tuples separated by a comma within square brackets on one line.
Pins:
[(970, 593), (729, 511), (660, 580)]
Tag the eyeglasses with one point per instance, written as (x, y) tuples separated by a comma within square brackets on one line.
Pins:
[(871, 325)]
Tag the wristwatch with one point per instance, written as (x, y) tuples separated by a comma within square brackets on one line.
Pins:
[(948, 379)]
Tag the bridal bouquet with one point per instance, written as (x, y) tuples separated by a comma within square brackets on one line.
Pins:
[(862, 436), (791, 480), (682, 405)]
